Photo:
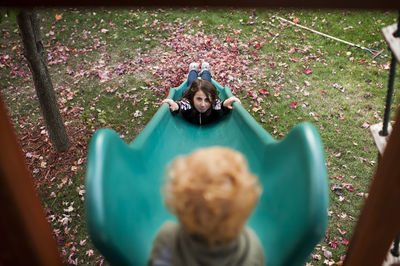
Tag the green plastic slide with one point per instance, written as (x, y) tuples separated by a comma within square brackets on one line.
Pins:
[(124, 203)]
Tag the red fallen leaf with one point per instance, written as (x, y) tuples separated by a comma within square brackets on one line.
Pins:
[(272, 65), (293, 105), (308, 71), (333, 244), (70, 95), (323, 91), (345, 241), (349, 187), (340, 177), (281, 134), (294, 60), (263, 91)]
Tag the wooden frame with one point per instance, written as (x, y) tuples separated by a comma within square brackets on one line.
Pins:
[(337, 4), (26, 235), (379, 222)]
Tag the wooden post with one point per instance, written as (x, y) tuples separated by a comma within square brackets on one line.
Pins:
[(26, 236), (379, 222), (393, 42)]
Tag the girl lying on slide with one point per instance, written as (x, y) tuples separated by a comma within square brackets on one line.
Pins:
[(200, 103)]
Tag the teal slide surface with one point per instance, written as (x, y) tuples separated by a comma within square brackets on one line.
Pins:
[(123, 182)]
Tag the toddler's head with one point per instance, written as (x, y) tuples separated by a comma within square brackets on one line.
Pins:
[(212, 193)]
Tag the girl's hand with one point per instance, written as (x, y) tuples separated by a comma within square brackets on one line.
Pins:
[(173, 106), (228, 102)]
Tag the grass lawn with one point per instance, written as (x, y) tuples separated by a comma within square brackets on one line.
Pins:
[(112, 67)]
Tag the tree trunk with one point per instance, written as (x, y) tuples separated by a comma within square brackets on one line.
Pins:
[(28, 23)]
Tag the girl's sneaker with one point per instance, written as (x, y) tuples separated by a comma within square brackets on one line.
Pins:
[(193, 66), (205, 66)]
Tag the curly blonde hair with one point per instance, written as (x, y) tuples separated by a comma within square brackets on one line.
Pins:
[(212, 193)]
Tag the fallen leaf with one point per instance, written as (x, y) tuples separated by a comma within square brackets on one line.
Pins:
[(89, 253), (308, 71), (316, 256), (333, 244), (365, 125), (327, 254), (348, 186), (138, 113), (293, 105), (69, 209)]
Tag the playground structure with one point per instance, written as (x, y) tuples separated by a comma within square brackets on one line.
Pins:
[(123, 182), (378, 224)]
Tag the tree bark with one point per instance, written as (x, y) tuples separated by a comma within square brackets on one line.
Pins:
[(28, 23)]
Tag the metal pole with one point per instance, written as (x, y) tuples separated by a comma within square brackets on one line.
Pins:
[(389, 95), (397, 32)]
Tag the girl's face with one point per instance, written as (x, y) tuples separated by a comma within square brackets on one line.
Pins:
[(201, 101)]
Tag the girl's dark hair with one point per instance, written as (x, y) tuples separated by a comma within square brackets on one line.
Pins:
[(205, 86)]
